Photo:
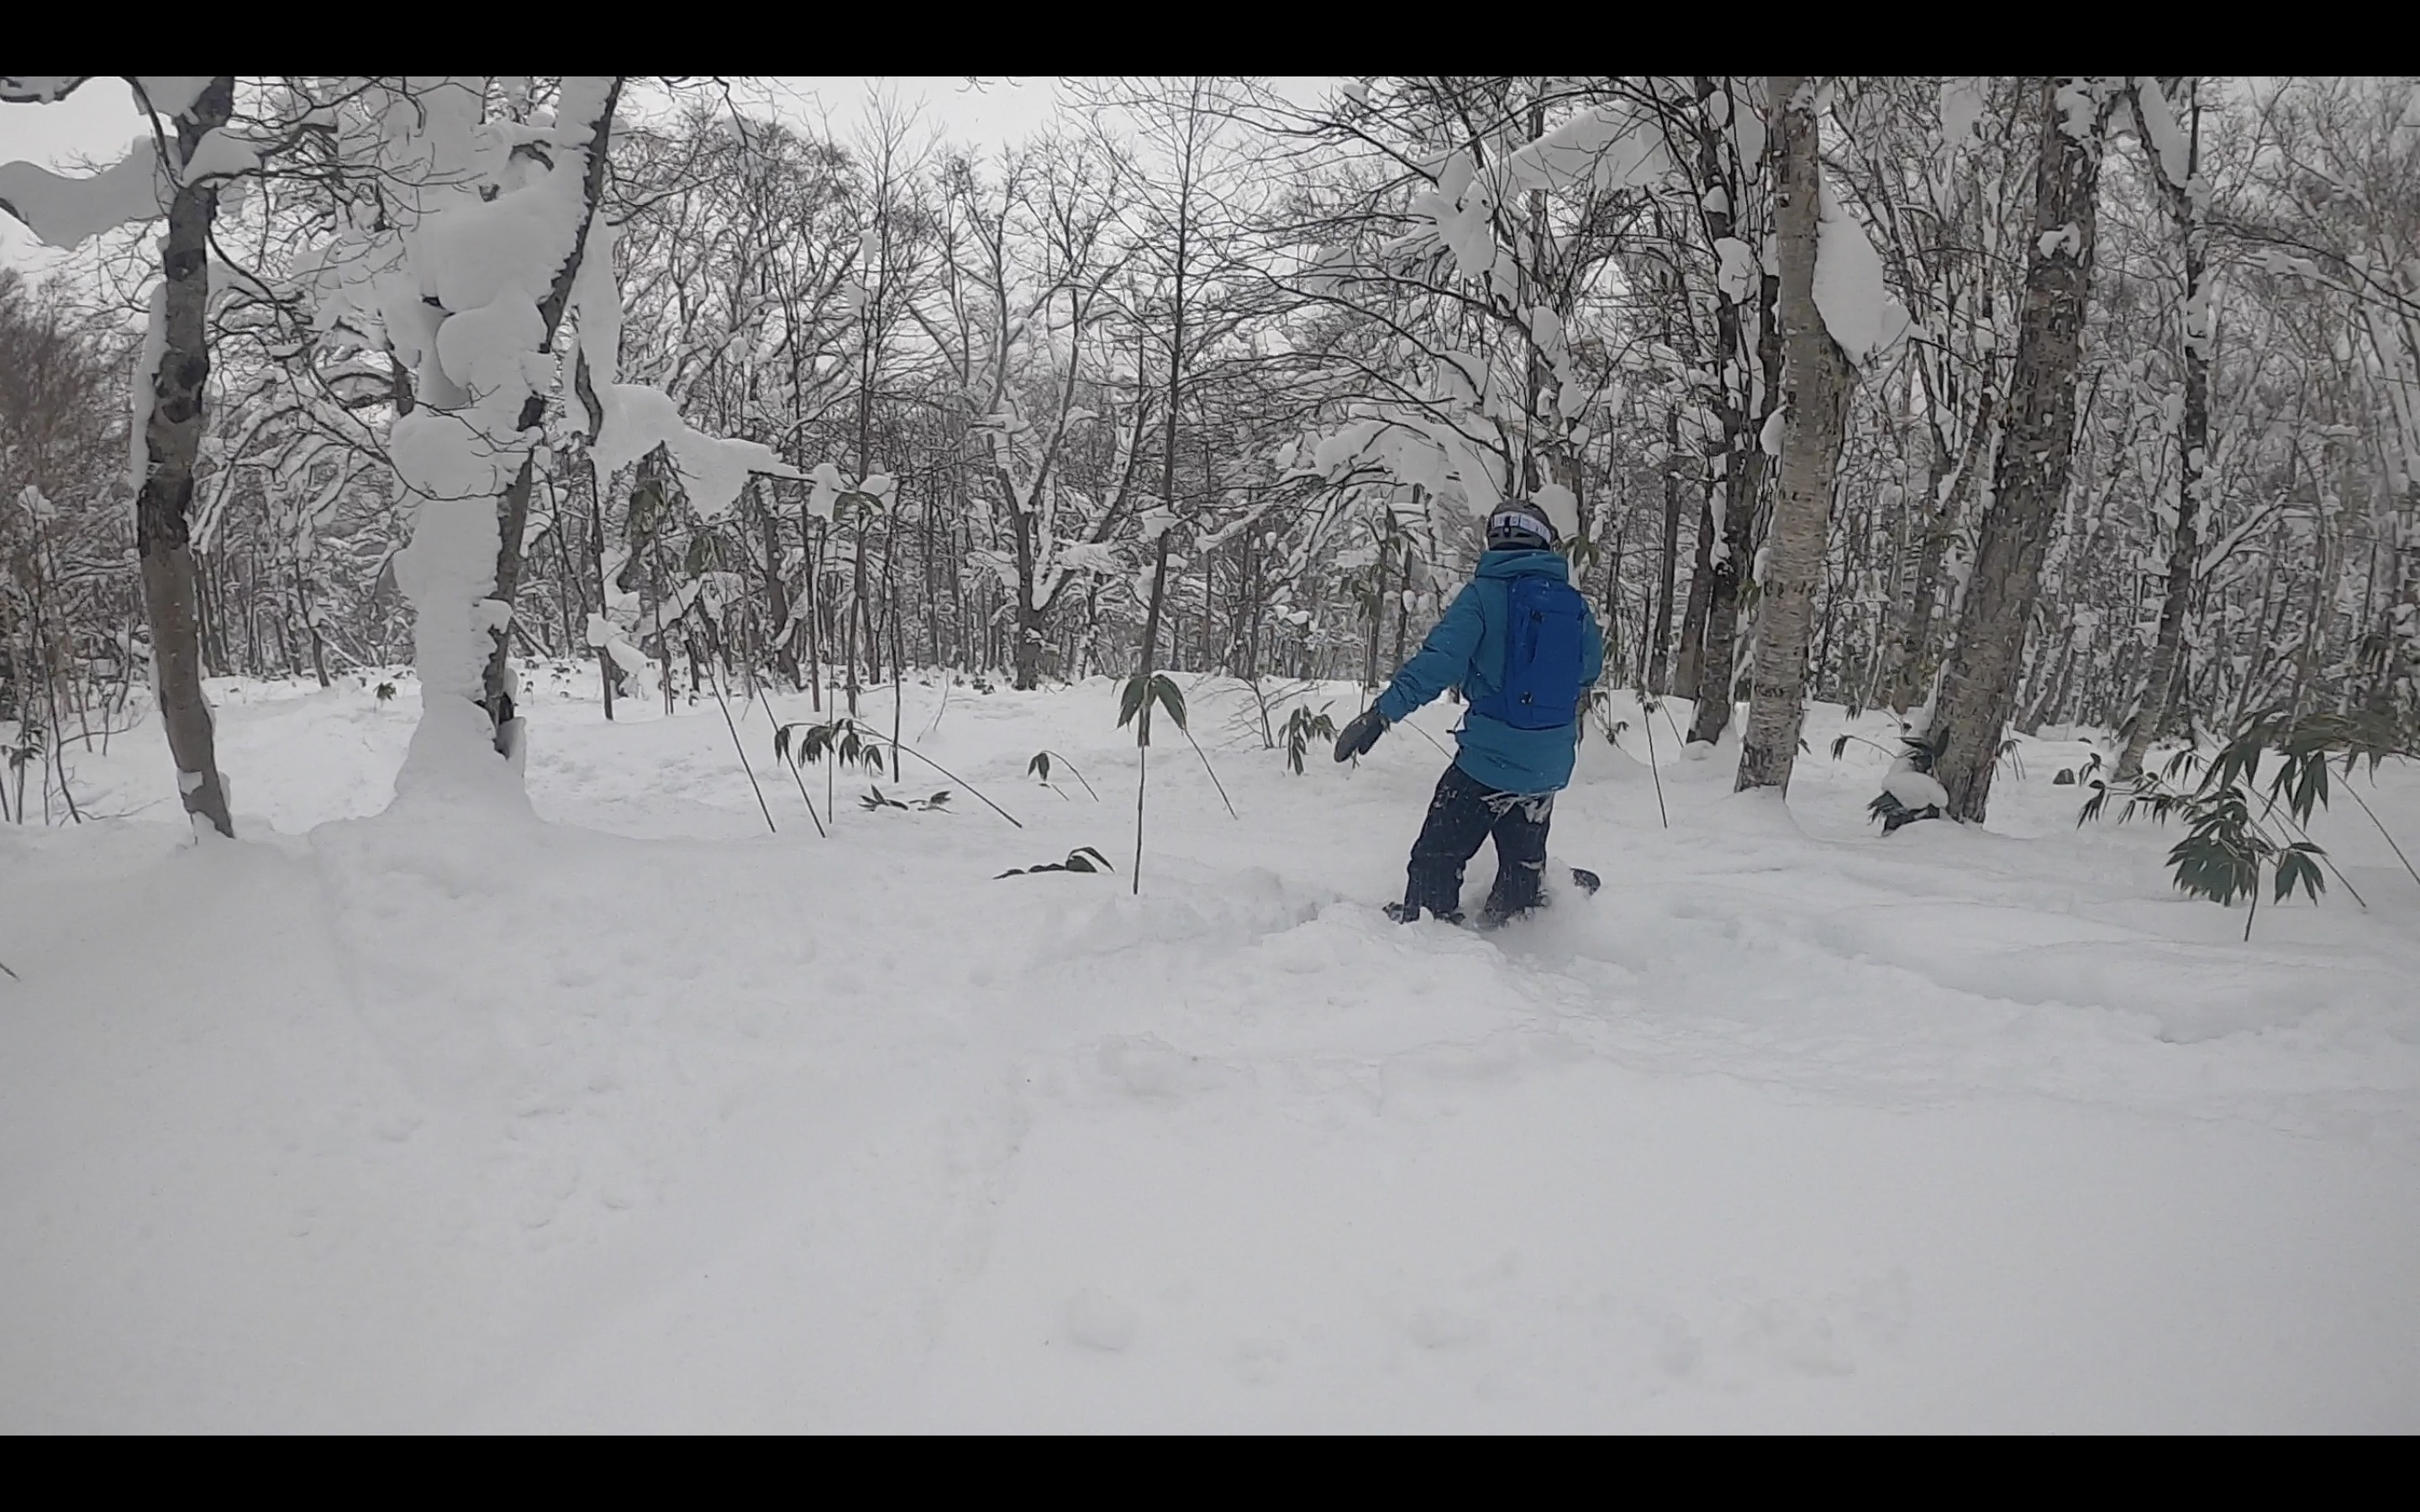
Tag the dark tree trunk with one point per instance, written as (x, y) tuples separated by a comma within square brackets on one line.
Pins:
[(1403, 604), (1026, 654), (778, 629), (1659, 651), (1691, 655), (1377, 614), (512, 511), (609, 675), (1980, 685), (1727, 559)]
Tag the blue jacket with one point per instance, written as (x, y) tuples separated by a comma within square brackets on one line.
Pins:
[(1467, 650)]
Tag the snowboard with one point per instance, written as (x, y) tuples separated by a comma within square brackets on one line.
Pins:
[(1586, 881)]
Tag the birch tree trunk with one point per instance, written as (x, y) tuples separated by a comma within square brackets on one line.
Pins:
[(1815, 392), (1980, 684), (1919, 647), (172, 441), (1724, 556), (2193, 440)]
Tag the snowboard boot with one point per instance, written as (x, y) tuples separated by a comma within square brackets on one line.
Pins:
[(1407, 913), (1492, 915)]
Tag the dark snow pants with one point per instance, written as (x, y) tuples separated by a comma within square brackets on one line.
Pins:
[(1461, 815)]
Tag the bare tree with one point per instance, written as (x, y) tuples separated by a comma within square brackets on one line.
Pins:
[(172, 385), (1979, 687), (2187, 202), (1814, 399)]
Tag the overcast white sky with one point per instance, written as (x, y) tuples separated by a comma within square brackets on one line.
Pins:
[(95, 124)]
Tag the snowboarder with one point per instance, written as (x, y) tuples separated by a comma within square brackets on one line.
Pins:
[(1523, 646)]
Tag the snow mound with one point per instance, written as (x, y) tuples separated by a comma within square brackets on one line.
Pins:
[(1918, 790)]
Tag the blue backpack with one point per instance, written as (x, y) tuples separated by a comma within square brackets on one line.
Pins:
[(1540, 686)]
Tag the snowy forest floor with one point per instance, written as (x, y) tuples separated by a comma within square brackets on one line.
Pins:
[(638, 1116)]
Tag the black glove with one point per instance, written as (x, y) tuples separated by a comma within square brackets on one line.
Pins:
[(1360, 735)]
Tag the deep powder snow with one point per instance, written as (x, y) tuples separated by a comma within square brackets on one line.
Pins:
[(626, 1114)]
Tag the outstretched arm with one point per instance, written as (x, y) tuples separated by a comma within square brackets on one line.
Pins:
[(1443, 660)]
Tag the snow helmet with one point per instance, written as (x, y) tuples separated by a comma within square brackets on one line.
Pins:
[(1518, 525)]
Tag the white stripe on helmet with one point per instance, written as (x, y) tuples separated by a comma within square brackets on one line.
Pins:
[(1521, 517)]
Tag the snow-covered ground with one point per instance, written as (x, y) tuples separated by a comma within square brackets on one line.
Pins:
[(634, 1115)]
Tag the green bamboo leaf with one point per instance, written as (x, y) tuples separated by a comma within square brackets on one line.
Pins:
[(1164, 688), (1130, 701), (2092, 806), (2297, 867), (2315, 787)]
